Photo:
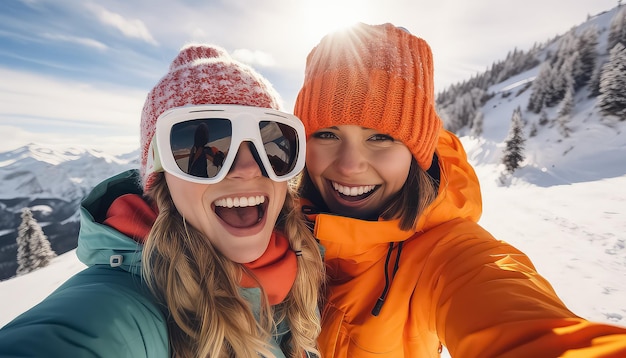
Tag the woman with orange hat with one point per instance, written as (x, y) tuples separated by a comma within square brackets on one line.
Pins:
[(395, 204), (185, 263)]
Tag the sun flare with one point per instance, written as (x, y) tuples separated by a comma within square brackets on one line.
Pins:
[(325, 16)]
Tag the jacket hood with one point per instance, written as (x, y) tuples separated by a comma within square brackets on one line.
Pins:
[(459, 190), (99, 244)]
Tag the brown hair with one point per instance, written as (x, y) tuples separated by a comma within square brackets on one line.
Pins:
[(419, 191)]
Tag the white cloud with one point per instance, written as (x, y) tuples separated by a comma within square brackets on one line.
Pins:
[(70, 100), (77, 40), (133, 28), (60, 111), (15, 137), (254, 58)]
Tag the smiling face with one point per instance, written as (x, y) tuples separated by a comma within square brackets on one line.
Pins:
[(356, 170), (238, 214)]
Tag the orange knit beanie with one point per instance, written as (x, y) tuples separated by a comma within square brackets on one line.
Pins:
[(375, 76)]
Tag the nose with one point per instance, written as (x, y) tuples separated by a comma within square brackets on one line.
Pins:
[(351, 159), (245, 165)]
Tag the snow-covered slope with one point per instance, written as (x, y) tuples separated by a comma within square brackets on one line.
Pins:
[(50, 181)]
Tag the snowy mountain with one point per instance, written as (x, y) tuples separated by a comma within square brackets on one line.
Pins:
[(51, 182), (35, 171), (584, 144)]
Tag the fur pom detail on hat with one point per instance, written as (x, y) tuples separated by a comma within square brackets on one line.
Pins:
[(375, 76), (202, 74)]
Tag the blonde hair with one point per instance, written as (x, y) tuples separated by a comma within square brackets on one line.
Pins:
[(208, 317)]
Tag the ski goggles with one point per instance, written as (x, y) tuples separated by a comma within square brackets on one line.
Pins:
[(199, 143)]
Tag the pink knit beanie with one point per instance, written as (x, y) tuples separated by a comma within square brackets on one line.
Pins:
[(375, 76), (202, 74)]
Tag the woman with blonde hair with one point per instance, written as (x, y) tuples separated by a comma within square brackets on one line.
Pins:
[(188, 265)]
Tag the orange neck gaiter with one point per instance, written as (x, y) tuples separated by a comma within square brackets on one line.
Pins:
[(275, 270)]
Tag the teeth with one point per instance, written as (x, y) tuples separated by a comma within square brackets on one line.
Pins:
[(353, 190), (240, 202)]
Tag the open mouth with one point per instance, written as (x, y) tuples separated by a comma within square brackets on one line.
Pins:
[(353, 193), (241, 212)]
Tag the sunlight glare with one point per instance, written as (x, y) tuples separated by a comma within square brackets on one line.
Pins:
[(325, 16)]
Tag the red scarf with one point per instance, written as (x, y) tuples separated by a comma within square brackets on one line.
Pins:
[(275, 270), (132, 216)]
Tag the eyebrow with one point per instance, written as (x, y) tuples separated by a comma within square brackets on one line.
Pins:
[(337, 128), (362, 128)]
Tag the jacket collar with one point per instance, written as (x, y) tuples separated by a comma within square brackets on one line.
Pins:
[(356, 232), (99, 244)]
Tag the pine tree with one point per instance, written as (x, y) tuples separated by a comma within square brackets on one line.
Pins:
[(594, 81), (539, 88), (567, 103), (33, 247), (477, 125), (557, 84), (514, 150), (617, 30), (612, 98), (533, 130), (565, 110), (587, 48)]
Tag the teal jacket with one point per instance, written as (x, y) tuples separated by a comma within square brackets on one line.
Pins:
[(105, 310)]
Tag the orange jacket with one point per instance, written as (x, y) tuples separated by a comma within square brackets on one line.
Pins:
[(455, 284)]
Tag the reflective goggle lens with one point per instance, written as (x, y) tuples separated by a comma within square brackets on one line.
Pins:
[(201, 146), (280, 142)]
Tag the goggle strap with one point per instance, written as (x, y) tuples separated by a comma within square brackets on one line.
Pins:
[(153, 164)]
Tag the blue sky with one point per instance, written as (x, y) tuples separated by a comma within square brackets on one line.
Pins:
[(76, 72)]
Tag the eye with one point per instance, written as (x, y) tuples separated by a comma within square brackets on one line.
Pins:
[(324, 135), (381, 138)]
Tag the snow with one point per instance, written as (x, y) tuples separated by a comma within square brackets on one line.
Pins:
[(20, 293), (574, 235), (37, 171), (44, 209)]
